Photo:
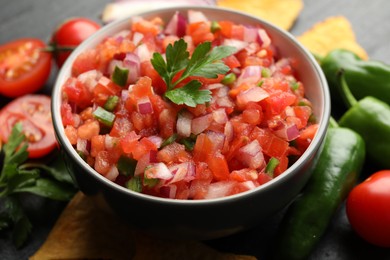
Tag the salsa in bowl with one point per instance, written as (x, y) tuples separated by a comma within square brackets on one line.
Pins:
[(191, 111)]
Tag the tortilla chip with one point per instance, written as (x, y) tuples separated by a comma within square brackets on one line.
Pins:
[(85, 231), (334, 33), (282, 13)]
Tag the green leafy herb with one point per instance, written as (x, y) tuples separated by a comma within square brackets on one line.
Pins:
[(18, 176), (204, 62)]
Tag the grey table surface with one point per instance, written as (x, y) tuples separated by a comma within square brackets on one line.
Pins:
[(371, 23)]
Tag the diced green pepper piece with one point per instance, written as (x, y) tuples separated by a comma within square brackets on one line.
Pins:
[(111, 103), (119, 76), (103, 116), (271, 165), (229, 79), (134, 184), (215, 26), (126, 165)]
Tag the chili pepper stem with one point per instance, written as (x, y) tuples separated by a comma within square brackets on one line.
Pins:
[(346, 93), (333, 123)]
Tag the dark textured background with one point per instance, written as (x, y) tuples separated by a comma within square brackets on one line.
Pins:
[(371, 23)]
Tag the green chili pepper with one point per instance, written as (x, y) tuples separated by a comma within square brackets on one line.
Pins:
[(370, 117), (332, 177), (111, 103), (365, 77)]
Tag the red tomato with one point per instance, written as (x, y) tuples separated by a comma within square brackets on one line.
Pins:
[(24, 68), (33, 111), (368, 209), (70, 34)]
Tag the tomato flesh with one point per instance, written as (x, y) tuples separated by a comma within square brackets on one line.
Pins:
[(33, 112), (24, 67)]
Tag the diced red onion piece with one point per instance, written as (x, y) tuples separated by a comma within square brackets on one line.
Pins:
[(264, 39), (220, 116), (158, 171), (217, 138), (251, 155), (112, 65), (191, 171), (183, 124), (196, 16), (144, 106), (287, 132), (249, 185), (254, 94), (90, 78), (177, 25), (250, 34), (157, 140), (143, 53), (179, 172), (239, 45), (199, 124), (110, 141), (112, 174), (82, 146), (137, 38), (219, 189), (133, 64), (250, 75)]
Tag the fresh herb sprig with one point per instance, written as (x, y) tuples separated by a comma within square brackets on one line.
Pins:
[(204, 62), (18, 176)]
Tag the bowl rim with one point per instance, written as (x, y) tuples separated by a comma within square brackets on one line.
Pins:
[(296, 166)]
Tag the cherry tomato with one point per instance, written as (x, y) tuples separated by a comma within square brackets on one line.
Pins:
[(70, 34), (368, 209), (24, 68), (33, 111)]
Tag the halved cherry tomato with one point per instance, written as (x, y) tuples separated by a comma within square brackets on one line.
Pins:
[(24, 68), (368, 209), (70, 34), (33, 111)]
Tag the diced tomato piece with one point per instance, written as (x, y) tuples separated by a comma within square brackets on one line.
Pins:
[(86, 61), (182, 191), (200, 32), (203, 148), (77, 93), (282, 166), (104, 89), (235, 146), (226, 28), (244, 174), (71, 134), (252, 115), (302, 113), (158, 83), (121, 127), (231, 61), (145, 26), (174, 152), (89, 129), (66, 114), (271, 145), (263, 178), (102, 163), (143, 147), (198, 189), (305, 137), (97, 144), (129, 141), (237, 32), (277, 102), (167, 122)]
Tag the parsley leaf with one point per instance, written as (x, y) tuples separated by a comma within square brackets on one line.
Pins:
[(190, 94), (18, 176), (204, 62)]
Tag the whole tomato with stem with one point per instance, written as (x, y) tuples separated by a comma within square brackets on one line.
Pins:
[(24, 67), (69, 34), (368, 209)]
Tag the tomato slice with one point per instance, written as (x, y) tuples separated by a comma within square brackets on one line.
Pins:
[(24, 68), (33, 112)]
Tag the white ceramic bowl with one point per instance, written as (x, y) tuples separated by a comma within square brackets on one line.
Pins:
[(202, 219)]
